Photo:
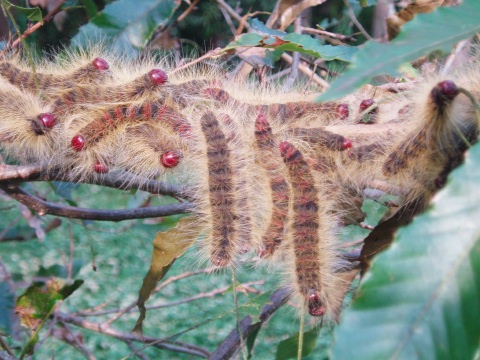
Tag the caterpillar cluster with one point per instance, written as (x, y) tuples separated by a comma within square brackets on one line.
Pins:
[(270, 174)]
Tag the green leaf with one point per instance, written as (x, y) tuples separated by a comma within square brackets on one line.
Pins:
[(421, 298), (127, 24), (33, 14), (90, 7), (304, 44), (37, 304), (438, 30), (287, 349)]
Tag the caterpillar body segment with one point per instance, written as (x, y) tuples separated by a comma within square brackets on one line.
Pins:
[(69, 70)]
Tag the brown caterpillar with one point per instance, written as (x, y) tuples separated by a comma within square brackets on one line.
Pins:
[(221, 186), (93, 72), (267, 170), (311, 236), (268, 154)]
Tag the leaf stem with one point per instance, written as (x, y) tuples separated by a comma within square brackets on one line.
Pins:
[(300, 331)]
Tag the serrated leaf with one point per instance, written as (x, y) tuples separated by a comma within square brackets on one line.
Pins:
[(421, 298), (127, 24), (287, 349), (167, 247), (304, 44), (438, 30), (33, 14)]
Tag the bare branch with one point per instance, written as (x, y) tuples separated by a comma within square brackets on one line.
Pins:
[(328, 34), (66, 334), (203, 295), (231, 343), (171, 279), (307, 71), (166, 344), (355, 20), (44, 208), (117, 180), (10, 172), (233, 14)]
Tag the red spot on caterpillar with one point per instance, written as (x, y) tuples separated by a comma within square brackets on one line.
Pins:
[(78, 142), (100, 168), (170, 159), (371, 116), (100, 64), (48, 120), (158, 76), (346, 144), (365, 104), (444, 92), (342, 111), (315, 306)]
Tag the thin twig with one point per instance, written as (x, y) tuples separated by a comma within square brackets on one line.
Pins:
[(199, 296), (188, 11), (43, 208), (307, 71), (73, 340), (34, 27), (328, 34), (233, 14), (228, 20), (231, 343), (355, 20), (176, 346), (211, 54), (171, 279), (117, 180), (137, 352), (295, 60), (21, 172)]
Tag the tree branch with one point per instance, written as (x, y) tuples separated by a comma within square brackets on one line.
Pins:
[(45, 207), (130, 337), (231, 343)]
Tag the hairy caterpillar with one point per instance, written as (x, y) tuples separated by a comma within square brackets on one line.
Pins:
[(271, 174)]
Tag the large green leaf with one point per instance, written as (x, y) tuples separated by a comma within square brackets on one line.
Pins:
[(421, 299), (438, 30), (128, 24)]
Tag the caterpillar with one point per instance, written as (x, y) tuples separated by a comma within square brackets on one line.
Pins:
[(271, 175)]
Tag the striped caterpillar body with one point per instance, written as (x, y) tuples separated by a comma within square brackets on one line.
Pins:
[(271, 174)]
